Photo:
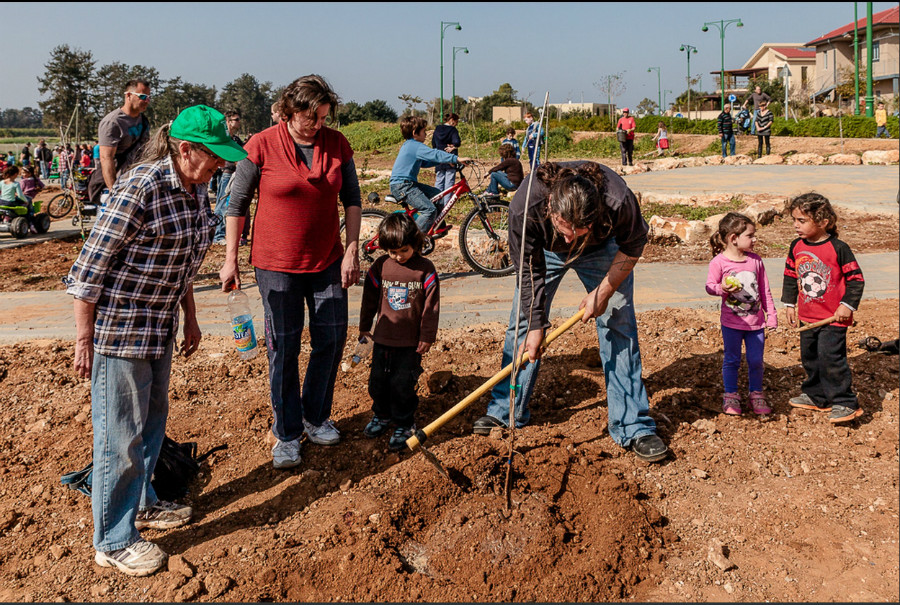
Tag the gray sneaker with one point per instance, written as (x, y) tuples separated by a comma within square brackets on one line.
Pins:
[(805, 402), (286, 454), (324, 434), (840, 413), (140, 559), (164, 515)]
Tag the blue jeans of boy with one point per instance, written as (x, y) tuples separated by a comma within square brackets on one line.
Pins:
[(418, 195), (283, 296), (882, 130), (221, 206), (499, 179), (727, 140), (627, 403), (129, 407)]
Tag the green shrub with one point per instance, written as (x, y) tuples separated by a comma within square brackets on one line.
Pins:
[(368, 136)]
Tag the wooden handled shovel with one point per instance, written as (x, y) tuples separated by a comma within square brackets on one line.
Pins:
[(418, 439), (817, 324)]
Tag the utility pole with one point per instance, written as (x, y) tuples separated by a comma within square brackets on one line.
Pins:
[(856, 58), (870, 100)]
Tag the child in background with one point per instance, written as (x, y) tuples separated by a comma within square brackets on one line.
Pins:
[(415, 154), (402, 288), (822, 280), (512, 140), (739, 277), (11, 194), (31, 185), (662, 138), (507, 174)]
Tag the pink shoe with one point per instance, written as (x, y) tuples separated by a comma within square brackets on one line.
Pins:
[(759, 403), (731, 404)]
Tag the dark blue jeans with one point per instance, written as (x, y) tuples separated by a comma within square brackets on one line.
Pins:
[(283, 296), (829, 381), (499, 179)]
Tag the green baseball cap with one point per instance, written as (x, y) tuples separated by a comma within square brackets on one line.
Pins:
[(205, 125)]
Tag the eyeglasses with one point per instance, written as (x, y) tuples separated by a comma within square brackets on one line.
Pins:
[(208, 152), (142, 97)]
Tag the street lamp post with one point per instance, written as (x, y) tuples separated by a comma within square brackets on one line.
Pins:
[(688, 49), (444, 26), (456, 49), (722, 25), (658, 88), (664, 100)]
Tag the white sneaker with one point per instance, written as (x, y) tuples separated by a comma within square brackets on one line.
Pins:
[(164, 515), (286, 454), (324, 434), (140, 559)]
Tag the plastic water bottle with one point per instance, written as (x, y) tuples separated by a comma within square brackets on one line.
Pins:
[(242, 324), (362, 352)]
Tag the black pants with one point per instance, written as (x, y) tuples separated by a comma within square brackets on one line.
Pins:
[(759, 146), (627, 148), (392, 383), (828, 378)]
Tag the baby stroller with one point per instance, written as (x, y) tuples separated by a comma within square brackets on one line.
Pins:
[(744, 121)]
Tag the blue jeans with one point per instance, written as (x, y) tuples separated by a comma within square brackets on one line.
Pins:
[(221, 206), (499, 179), (727, 140), (418, 195), (755, 341), (63, 178), (534, 152), (626, 398), (882, 130), (283, 296), (444, 177), (753, 123), (129, 407), (45, 170)]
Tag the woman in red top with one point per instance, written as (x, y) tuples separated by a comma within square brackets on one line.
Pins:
[(302, 168), (627, 123)]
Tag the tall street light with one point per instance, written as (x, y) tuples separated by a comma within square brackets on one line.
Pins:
[(664, 100), (658, 88), (688, 49), (722, 25), (444, 26), (456, 49)]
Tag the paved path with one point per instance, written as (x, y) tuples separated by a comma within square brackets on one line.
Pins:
[(865, 188), (465, 298)]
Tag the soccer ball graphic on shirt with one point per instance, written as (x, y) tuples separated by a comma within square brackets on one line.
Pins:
[(813, 285)]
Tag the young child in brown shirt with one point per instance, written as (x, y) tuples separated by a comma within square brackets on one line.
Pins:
[(402, 288)]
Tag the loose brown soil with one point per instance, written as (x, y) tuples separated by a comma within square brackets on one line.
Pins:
[(803, 510)]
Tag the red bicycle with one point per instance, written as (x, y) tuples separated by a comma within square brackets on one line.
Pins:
[(483, 234)]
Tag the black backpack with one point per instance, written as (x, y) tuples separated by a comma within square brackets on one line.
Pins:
[(176, 468)]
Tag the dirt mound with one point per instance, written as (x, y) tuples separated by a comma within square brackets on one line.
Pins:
[(791, 507)]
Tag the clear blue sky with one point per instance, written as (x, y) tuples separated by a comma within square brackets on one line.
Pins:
[(381, 50)]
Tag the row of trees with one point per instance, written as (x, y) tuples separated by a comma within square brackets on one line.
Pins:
[(72, 81)]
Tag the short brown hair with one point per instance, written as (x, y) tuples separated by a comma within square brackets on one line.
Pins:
[(409, 125), (818, 208), (307, 94), (398, 230), (507, 151)]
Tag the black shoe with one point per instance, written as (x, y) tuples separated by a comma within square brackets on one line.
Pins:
[(441, 230), (484, 425), (649, 448)]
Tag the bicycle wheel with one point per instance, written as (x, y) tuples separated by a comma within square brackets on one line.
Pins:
[(61, 204), (484, 239), (368, 242)]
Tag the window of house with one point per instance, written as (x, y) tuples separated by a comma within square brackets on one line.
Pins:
[(803, 75), (876, 51), (826, 60)]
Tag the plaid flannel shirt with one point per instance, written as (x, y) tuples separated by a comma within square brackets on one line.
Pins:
[(140, 259)]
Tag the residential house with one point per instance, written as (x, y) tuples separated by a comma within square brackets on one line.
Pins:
[(834, 56)]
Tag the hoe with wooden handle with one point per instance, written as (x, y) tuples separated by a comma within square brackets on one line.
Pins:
[(818, 324), (418, 440)]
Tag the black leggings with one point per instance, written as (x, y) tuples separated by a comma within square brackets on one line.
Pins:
[(759, 147), (627, 148)]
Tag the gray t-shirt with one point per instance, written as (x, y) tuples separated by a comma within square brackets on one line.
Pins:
[(120, 130)]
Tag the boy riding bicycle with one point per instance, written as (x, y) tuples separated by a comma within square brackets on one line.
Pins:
[(414, 155)]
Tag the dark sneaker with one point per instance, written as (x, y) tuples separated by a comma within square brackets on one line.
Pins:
[(649, 448), (840, 414), (441, 230), (377, 426), (398, 439), (804, 402), (484, 425), (140, 559), (163, 515)]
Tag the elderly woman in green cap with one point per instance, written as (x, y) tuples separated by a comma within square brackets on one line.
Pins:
[(134, 272)]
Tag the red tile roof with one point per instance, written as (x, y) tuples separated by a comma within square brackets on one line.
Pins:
[(890, 16), (792, 52)]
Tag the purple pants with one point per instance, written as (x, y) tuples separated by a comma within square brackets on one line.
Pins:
[(755, 341)]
